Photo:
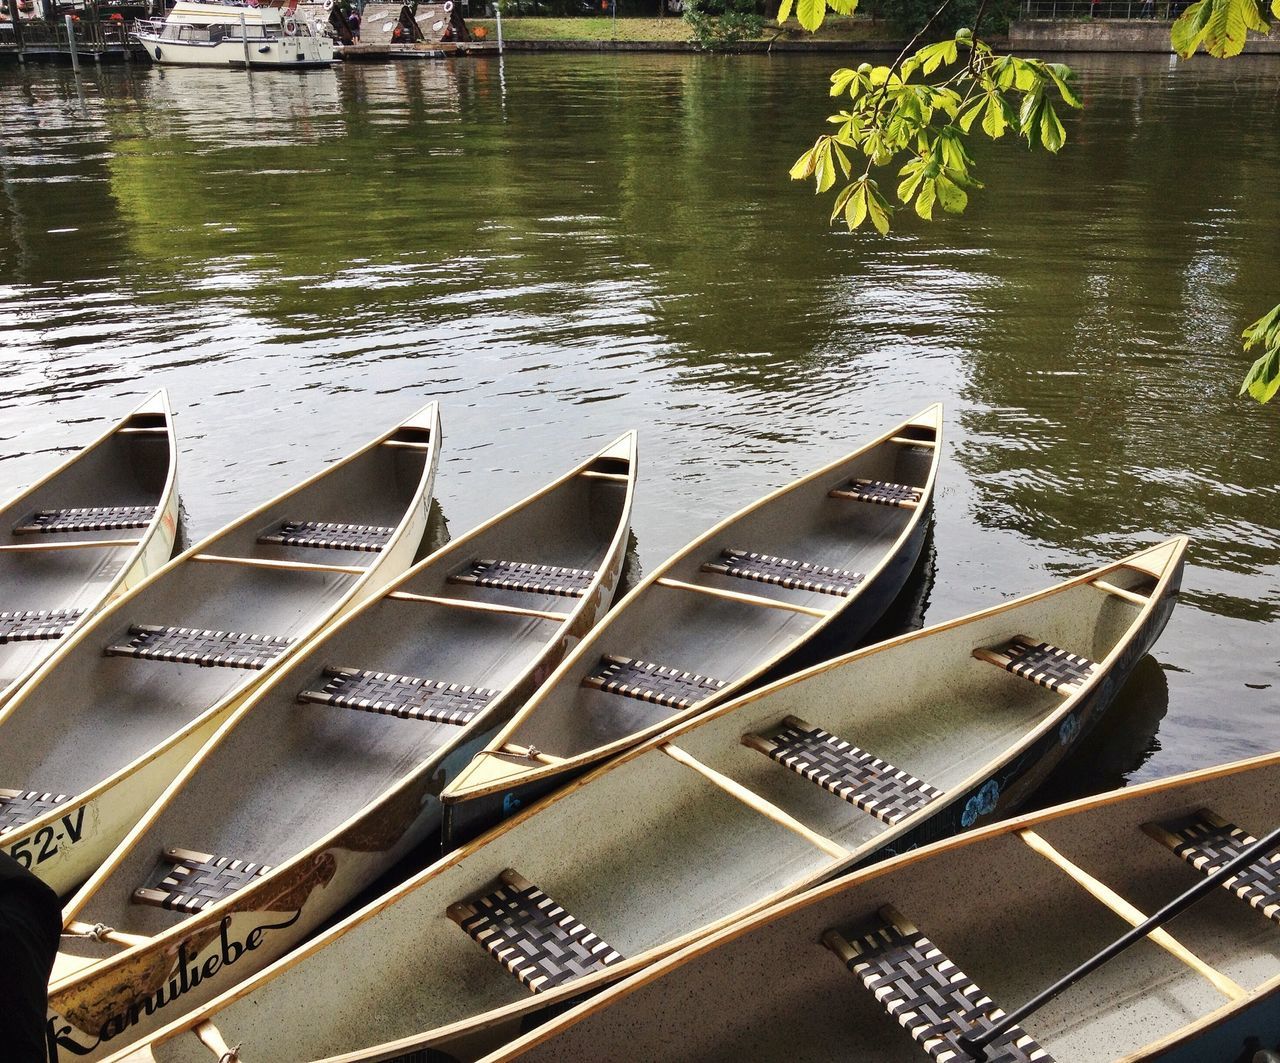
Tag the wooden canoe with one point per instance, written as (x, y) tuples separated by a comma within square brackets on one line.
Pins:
[(108, 721), (1037, 896), (312, 798), (733, 608), (90, 530), (698, 828)]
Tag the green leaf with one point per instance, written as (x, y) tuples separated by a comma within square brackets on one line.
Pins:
[(1052, 135), (843, 7), (1190, 28), (952, 197), (925, 200), (841, 79), (856, 212), (811, 13), (996, 119), (842, 200), (784, 13), (1275, 8), (804, 166), (966, 120), (1061, 76), (826, 168), (878, 209), (1263, 379)]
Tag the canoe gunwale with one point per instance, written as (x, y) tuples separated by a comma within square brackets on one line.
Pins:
[(268, 886), (930, 417), (104, 786)]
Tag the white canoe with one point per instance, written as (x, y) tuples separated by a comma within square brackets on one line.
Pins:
[(743, 602), (302, 799), (84, 534), (699, 827), (1008, 911), (108, 721)]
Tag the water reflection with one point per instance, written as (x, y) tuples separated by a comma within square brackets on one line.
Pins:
[(569, 246)]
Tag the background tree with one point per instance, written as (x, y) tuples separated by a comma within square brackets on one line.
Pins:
[(913, 117)]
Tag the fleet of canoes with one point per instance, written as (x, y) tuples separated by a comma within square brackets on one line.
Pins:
[(671, 827)]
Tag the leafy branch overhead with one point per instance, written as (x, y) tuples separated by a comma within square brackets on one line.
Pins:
[(916, 113)]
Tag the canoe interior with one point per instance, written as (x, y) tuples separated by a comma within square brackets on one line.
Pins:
[(92, 715), (123, 469), (290, 772), (722, 639), (649, 850), (1004, 915)]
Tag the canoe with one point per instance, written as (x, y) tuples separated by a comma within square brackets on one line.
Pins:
[(325, 779), (1041, 894), (700, 827), (822, 556), (109, 720), (83, 535)]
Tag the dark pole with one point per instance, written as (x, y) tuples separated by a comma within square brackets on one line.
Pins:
[(975, 1047)]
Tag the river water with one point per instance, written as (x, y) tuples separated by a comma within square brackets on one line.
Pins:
[(562, 247)]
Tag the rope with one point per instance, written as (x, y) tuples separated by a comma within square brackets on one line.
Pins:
[(97, 932)]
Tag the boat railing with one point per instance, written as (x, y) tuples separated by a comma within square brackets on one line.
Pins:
[(151, 26)]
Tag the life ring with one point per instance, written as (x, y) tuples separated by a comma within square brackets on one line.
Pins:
[(448, 6), (290, 26)]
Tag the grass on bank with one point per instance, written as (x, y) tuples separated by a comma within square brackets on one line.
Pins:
[(670, 29)]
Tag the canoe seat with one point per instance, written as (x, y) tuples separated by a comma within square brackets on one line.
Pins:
[(852, 774), (29, 625), (530, 935), (405, 696), (1207, 842), (527, 576), (326, 535), (651, 682), (929, 996), (794, 575), (197, 880), (881, 493), (93, 518), (187, 645), (22, 806), (1042, 663)]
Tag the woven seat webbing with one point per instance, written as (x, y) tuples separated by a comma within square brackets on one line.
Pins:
[(326, 535), (528, 577), (198, 880), (22, 806), (880, 492), (873, 785), (531, 935), (794, 575), (186, 645), (31, 625), (1207, 842), (651, 682), (405, 696), (1047, 665), (932, 999), (96, 518)]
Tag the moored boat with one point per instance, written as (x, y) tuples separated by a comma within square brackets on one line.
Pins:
[(737, 809), (84, 534), (825, 554), (839, 972), (109, 720), (268, 35), (331, 774)]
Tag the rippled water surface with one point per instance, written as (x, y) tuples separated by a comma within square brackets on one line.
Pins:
[(574, 245)]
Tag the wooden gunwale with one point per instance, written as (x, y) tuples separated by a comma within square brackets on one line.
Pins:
[(428, 415), (236, 901), (930, 417), (812, 890), (821, 893)]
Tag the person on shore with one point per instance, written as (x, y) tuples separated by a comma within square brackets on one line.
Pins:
[(30, 932), (353, 24)]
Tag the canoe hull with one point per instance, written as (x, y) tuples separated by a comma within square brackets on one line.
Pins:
[(95, 1016), (467, 819)]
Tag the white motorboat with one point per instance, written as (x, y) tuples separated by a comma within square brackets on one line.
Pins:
[(228, 33)]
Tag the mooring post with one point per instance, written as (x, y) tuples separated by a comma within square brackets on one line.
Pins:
[(497, 9), (71, 43), (244, 37)]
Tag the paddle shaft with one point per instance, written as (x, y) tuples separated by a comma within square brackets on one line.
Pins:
[(975, 1047)]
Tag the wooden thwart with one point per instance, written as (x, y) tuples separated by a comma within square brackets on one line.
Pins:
[(1100, 891), (479, 607), (738, 596), (74, 544), (531, 935), (1120, 592), (929, 996), (267, 562)]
